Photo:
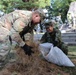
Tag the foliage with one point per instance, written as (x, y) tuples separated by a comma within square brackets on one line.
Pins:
[(43, 3), (9, 5), (60, 7)]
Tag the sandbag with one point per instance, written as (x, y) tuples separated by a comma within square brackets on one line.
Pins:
[(45, 48), (55, 55)]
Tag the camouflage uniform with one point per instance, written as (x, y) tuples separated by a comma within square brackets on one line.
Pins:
[(55, 38), (11, 25)]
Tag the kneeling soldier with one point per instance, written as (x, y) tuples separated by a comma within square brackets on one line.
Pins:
[(53, 35)]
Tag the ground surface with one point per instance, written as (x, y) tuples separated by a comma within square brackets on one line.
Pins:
[(36, 65)]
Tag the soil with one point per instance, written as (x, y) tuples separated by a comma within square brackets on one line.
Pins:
[(35, 65)]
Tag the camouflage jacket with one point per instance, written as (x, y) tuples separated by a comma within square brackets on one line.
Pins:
[(15, 22), (54, 37)]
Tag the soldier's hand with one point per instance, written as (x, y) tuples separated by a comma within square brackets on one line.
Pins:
[(27, 50), (55, 43)]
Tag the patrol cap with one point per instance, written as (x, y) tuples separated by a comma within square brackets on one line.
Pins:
[(41, 13), (48, 24)]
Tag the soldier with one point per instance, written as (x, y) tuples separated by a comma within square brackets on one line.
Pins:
[(14, 25), (53, 35)]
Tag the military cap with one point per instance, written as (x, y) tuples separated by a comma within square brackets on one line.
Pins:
[(48, 24), (41, 13)]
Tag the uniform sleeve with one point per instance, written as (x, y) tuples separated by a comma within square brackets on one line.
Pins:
[(17, 27), (16, 37), (58, 36), (43, 38)]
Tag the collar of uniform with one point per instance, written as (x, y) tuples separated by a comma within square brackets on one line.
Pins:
[(29, 24)]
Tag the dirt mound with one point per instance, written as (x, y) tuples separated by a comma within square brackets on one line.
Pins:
[(34, 65)]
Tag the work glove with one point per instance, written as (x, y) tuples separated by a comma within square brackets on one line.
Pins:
[(27, 50)]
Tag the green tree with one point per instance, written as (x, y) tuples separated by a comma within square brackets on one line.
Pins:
[(60, 7), (43, 3), (9, 5)]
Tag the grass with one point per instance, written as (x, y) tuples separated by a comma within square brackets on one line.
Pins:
[(72, 52), (72, 48), (72, 56)]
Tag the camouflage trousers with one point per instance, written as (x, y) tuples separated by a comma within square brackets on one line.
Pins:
[(5, 45), (64, 48)]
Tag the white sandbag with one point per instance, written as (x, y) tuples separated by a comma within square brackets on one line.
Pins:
[(55, 55), (45, 48)]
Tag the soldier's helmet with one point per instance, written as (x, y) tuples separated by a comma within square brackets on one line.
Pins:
[(41, 13)]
